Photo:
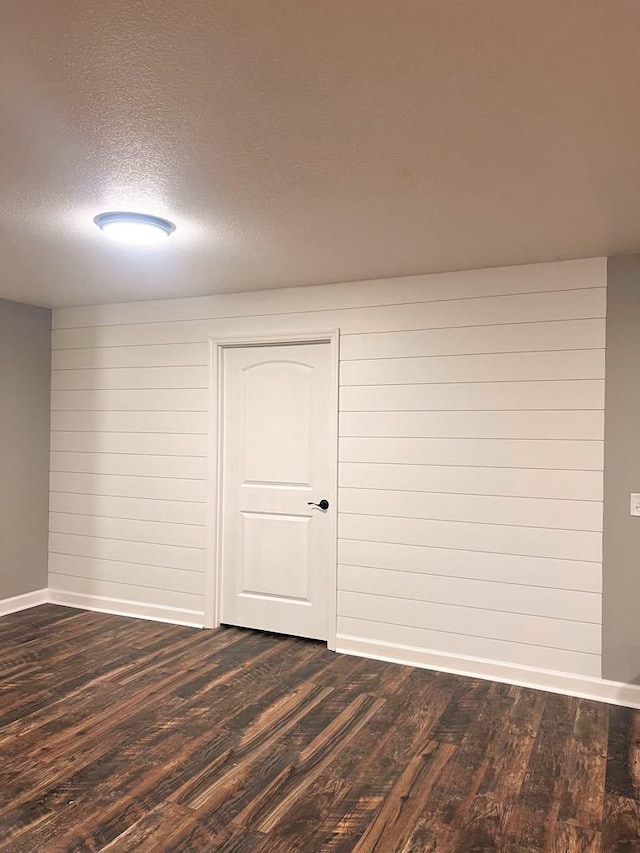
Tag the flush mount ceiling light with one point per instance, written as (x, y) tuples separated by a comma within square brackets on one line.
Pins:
[(139, 229)]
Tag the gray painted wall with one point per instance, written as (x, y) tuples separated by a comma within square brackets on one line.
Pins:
[(621, 598), (25, 359)]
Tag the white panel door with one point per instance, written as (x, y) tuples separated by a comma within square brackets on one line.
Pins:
[(277, 551)]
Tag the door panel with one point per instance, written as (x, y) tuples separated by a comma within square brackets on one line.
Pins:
[(276, 556), (277, 440), (277, 551)]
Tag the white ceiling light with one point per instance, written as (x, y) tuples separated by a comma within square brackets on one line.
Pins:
[(138, 229)]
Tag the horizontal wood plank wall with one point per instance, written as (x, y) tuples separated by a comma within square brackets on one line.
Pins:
[(471, 427)]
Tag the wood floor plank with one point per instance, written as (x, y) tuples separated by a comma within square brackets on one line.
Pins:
[(375, 762), (621, 828), (148, 834), (533, 821), (393, 823), (569, 838), (122, 735), (623, 767), (583, 782), (266, 811), (256, 779), (458, 814)]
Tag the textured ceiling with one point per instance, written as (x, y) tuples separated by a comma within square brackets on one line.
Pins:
[(308, 141)]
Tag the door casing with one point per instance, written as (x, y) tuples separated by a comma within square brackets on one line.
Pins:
[(213, 572)]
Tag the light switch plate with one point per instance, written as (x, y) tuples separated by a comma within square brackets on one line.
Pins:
[(635, 504)]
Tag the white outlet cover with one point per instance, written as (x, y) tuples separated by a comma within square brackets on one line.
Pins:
[(635, 505)]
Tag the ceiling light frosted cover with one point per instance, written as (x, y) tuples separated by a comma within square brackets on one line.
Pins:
[(138, 229)]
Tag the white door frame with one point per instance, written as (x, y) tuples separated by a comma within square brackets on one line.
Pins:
[(213, 574)]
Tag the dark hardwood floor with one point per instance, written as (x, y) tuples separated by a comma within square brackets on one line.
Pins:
[(123, 735)]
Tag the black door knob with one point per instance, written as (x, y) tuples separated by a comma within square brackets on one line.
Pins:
[(324, 504)]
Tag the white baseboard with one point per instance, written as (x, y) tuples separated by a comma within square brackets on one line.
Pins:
[(23, 602), (120, 607), (598, 689)]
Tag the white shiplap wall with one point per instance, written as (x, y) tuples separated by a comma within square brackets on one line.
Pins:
[(471, 454)]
